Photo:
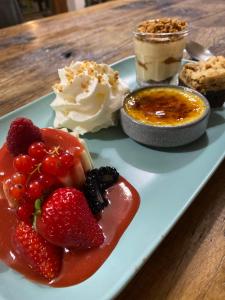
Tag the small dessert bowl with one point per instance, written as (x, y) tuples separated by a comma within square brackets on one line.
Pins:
[(164, 116)]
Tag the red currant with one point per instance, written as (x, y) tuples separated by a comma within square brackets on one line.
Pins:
[(38, 151), (34, 161), (25, 212), (53, 166), (17, 191), (18, 178), (23, 164), (47, 180), (67, 160), (35, 189)]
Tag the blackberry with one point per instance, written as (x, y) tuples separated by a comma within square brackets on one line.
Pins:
[(107, 176), (97, 181), (96, 199)]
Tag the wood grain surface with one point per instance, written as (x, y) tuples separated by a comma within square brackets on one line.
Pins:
[(190, 262)]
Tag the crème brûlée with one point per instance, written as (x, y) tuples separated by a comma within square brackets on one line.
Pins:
[(159, 46), (88, 97), (164, 106)]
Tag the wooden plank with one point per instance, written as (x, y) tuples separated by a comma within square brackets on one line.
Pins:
[(34, 50)]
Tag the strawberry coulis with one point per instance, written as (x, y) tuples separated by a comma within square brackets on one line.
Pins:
[(77, 265)]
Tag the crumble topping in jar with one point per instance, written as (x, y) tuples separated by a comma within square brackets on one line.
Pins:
[(164, 25), (159, 46)]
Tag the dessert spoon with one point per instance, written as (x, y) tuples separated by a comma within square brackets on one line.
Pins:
[(197, 51)]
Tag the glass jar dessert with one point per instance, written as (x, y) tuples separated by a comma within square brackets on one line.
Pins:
[(159, 46)]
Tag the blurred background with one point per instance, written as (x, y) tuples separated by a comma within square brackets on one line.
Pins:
[(13, 12)]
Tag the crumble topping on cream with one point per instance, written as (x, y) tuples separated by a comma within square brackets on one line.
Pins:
[(87, 96)]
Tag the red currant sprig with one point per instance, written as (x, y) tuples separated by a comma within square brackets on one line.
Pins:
[(37, 173)]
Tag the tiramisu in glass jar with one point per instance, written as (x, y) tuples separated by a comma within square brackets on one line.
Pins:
[(159, 46)]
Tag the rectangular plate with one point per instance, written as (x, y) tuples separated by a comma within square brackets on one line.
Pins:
[(167, 180)]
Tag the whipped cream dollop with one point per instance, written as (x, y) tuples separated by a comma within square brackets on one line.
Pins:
[(87, 97)]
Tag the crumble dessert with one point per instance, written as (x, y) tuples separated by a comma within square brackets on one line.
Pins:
[(207, 77)]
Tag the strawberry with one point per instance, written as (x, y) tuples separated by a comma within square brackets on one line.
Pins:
[(38, 253), (25, 212), (66, 220)]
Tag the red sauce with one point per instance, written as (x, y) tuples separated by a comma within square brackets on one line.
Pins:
[(77, 265)]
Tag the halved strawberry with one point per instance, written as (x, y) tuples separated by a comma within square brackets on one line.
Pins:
[(39, 254), (66, 220), (75, 177)]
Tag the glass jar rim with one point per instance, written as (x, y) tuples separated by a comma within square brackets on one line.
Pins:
[(161, 34)]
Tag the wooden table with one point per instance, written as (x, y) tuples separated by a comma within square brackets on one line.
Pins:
[(190, 262)]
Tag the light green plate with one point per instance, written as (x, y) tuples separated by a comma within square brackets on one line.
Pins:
[(167, 180)]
